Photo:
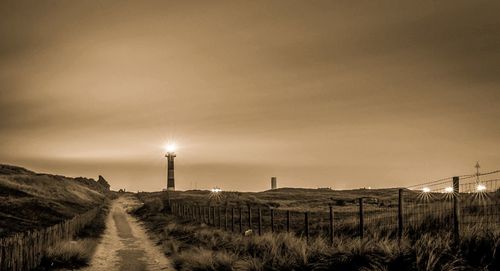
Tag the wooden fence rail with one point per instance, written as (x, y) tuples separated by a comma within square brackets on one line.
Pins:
[(24, 251)]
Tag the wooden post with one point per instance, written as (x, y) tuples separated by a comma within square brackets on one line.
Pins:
[(331, 225), (456, 210), (232, 219), (206, 215), (361, 219), (214, 221), (400, 214), (288, 221), (241, 220), (220, 220), (260, 221), (209, 216), (249, 217), (306, 221), (225, 218), (204, 219), (272, 219)]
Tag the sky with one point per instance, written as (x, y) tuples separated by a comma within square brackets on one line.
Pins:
[(341, 94)]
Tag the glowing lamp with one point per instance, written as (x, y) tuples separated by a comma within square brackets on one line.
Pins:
[(426, 190), (171, 148), (216, 190), (448, 189), (480, 187)]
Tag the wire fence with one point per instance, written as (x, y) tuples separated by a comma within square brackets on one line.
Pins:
[(449, 204)]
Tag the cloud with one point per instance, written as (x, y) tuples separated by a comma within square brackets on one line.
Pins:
[(299, 87)]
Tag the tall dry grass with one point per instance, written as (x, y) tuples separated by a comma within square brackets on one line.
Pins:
[(199, 247), (70, 254), (77, 253)]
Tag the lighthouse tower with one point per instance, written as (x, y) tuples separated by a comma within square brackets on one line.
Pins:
[(170, 167)]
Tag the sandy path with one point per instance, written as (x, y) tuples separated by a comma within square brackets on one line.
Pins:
[(125, 245)]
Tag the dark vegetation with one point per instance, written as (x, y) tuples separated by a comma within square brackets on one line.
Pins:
[(196, 246), (77, 253), (30, 200)]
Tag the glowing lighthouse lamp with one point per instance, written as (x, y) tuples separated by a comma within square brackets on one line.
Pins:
[(170, 148)]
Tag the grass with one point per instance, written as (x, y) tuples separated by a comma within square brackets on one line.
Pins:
[(30, 200), (200, 247), (69, 254), (296, 199), (76, 253)]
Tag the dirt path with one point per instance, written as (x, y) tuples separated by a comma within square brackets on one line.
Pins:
[(125, 245)]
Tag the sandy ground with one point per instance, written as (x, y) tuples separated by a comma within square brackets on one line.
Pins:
[(125, 245)]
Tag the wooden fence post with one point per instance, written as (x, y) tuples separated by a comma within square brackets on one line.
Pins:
[(209, 216), (456, 210), (225, 218), (249, 217), (400, 214), (205, 215), (287, 220), (199, 213), (232, 219), (361, 219), (272, 219), (202, 213), (306, 221), (214, 219), (220, 220), (241, 220), (260, 221), (331, 225)]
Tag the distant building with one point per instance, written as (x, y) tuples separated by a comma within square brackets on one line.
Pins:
[(274, 183)]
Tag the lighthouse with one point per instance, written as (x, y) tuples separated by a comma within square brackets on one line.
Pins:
[(170, 167)]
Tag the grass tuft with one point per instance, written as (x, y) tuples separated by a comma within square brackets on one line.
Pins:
[(70, 254)]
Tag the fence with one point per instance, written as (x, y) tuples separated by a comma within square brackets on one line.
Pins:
[(448, 204), (24, 251)]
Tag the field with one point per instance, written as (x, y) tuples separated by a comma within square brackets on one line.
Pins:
[(427, 242), (30, 200)]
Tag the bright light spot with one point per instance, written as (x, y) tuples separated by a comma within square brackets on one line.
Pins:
[(216, 190), (480, 187), (426, 190), (171, 147), (448, 189)]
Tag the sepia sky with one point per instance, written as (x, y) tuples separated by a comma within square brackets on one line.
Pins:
[(341, 94)]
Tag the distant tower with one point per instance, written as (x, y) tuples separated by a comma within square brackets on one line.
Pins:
[(170, 171), (477, 171), (274, 183)]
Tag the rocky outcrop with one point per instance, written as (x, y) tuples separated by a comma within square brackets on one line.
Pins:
[(102, 182)]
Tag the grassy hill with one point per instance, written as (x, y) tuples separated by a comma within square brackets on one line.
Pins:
[(31, 200), (296, 199)]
